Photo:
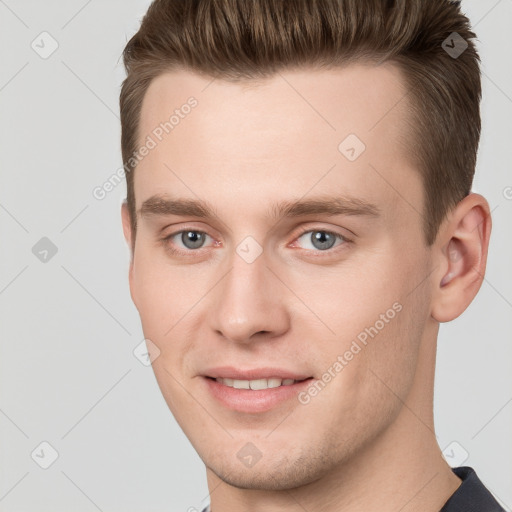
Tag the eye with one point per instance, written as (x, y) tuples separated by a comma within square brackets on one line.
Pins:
[(321, 239), (189, 239)]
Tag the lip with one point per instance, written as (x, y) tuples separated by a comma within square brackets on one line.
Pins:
[(254, 401), (230, 372)]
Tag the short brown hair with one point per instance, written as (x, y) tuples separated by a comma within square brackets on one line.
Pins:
[(238, 40)]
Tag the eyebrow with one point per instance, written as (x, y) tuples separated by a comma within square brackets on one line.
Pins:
[(161, 205)]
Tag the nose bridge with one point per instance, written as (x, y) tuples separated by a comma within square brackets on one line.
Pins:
[(248, 299)]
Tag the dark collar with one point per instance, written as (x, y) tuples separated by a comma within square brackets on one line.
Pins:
[(472, 495)]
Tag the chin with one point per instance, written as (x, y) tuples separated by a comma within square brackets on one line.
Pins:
[(271, 477)]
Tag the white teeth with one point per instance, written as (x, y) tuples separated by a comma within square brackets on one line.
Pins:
[(258, 384), (241, 384), (255, 384), (274, 383)]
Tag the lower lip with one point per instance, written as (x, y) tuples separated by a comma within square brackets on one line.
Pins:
[(248, 400)]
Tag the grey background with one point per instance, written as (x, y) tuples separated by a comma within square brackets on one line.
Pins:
[(68, 327)]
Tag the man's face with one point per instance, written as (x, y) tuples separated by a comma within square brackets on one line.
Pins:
[(249, 294)]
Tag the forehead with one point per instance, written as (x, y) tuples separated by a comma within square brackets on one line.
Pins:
[(342, 130), (357, 98)]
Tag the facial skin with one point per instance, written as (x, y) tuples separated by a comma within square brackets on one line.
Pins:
[(366, 440)]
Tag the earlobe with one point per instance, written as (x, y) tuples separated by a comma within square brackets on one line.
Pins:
[(461, 250)]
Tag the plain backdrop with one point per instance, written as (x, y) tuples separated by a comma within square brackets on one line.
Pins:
[(68, 374)]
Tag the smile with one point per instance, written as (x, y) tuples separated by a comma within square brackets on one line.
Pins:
[(254, 395), (256, 384)]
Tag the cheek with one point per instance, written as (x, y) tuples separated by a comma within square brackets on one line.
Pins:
[(368, 392), (378, 325), (354, 301), (180, 402), (164, 293), (394, 352)]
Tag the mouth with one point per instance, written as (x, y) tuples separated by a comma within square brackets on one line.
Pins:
[(257, 384), (254, 395)]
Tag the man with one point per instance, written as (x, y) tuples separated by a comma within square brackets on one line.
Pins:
[(300, 217)]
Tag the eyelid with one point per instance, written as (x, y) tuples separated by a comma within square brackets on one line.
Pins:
[(308, 229)]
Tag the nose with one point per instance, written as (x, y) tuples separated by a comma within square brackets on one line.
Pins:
[(249, 302)]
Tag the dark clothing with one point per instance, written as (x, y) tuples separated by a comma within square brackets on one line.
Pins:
[(472, 495)]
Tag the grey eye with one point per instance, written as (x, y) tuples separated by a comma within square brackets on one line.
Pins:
[(192, 239), (322, 239)]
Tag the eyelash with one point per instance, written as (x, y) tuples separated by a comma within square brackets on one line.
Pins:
[(166, 241)]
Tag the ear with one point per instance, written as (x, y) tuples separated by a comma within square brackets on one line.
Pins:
[(128, 236), (460, 256), (127, 227)]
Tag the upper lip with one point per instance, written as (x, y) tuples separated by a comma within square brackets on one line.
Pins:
[(229, 372)]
